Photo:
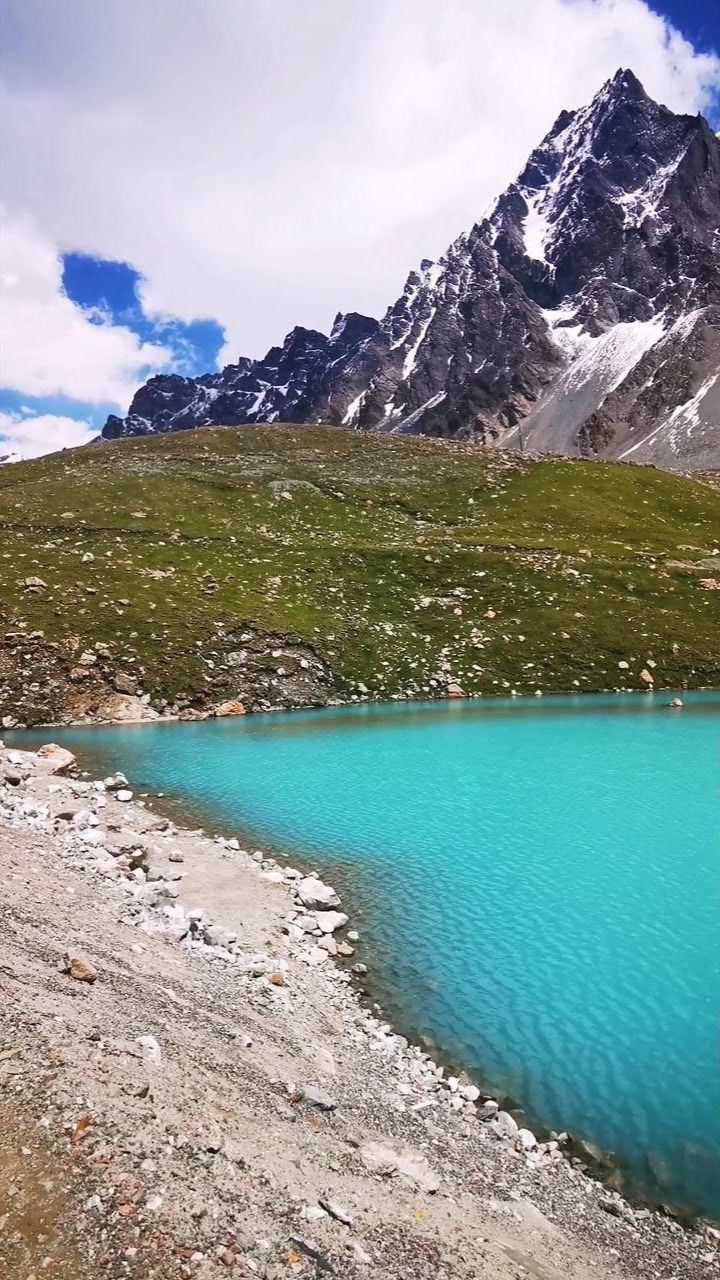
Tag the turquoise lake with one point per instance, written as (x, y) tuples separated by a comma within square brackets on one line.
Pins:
[(536, 882)]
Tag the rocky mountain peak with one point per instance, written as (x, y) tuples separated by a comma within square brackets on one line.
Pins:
[(581, 315)]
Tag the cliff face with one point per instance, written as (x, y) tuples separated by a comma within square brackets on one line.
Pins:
[(580, 317)]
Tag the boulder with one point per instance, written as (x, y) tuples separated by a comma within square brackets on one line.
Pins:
[(230, 708), (505, 1126), (526, 1140), (124, 683), (329, 921), (55, 759), (78, 967), (316, 1097), (313, 893), (488, 1110), (115, 782)]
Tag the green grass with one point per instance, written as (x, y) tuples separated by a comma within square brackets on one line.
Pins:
[(388, 559)]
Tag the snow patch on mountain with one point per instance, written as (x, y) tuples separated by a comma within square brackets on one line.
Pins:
[(535, 228), (609, 358)]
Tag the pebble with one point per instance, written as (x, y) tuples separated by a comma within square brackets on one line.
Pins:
[(151, 1051), (79, 968)]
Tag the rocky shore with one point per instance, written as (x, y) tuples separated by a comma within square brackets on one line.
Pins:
[(190, 1085)]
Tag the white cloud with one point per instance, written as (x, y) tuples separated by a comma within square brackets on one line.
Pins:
[(29, 437), (267, 164), (49, 346)]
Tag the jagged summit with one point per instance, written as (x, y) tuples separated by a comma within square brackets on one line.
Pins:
[(580, 316)]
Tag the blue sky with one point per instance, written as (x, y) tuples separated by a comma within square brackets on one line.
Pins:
[(183, 183), (698, 20), (111, 292)]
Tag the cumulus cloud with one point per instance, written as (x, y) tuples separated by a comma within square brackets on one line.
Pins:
[(29, 437), (267, 164), (49, 346)]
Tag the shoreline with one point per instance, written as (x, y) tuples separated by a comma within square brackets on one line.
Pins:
[(436, 1111), (513, 695)]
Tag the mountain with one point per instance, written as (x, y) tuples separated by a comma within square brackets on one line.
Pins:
[(581, 316)]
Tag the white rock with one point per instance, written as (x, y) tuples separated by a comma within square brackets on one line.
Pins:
[(329, 921), (123, 795), (526, 1139), (115, 782), (504, 1125), (313, 1213), (55, 759), (85, 818), (151, 1051), (313, 893)]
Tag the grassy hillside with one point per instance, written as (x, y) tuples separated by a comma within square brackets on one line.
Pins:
[(291, 565)]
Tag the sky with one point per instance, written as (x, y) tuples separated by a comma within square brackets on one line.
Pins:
[(183, 182)]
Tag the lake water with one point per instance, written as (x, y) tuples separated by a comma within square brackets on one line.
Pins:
[(537, 884)]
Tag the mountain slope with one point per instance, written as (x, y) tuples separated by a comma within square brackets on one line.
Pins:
[(291, 567), (581, 316)]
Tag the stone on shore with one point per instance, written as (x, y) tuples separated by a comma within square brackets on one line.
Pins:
[(313, 893), (116, 782), (329, 921), (230, 708), (55, 759), (505, 1126), (526, 1139)]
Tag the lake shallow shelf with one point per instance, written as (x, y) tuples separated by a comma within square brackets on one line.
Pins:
[(536, 881)]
